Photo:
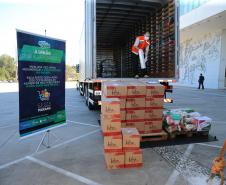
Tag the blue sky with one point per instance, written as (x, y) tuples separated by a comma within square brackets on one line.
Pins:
[(61, 19)]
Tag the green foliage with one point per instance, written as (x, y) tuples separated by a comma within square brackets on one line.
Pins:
[(7, 68), (71, 74)]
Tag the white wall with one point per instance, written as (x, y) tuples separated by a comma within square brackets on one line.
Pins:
[(222, 66), (200, 54)]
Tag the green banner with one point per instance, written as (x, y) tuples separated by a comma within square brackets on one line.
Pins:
[(40, 54)]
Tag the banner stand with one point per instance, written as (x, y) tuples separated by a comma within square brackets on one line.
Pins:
[(45, 141)]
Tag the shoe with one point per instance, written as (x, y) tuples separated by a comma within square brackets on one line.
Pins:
[(137, 76), (146, 76)]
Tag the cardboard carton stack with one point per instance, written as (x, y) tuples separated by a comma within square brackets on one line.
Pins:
[(141, 104), (111, 128), (131, 148), (135, 106), (116, 90), (154, 108), (121, 145)]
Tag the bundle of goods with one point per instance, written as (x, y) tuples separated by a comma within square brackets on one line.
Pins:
[(185, 120), (121, 146)]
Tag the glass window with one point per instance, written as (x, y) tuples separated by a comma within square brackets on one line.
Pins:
[(188, 5)]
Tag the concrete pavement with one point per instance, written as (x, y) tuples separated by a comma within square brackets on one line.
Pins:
[(76, 156)]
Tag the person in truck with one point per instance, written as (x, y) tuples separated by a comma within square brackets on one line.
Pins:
[(141, 49)]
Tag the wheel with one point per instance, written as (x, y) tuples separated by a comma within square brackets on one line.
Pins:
[(86, 95), (80, 91), (90, 106)]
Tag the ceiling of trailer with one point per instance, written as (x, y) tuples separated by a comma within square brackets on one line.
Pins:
[(115, 17)]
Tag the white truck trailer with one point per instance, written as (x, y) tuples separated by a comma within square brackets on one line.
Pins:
[(110, 29)]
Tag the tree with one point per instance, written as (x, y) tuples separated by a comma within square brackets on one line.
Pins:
[(7, 68), (71, 73)]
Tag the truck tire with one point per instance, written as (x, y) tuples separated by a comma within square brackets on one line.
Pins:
[(90, 106), (86, 95), (80, 91)]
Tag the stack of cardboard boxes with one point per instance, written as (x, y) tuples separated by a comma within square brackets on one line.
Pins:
[(141, 104), (135, 106), (154, 108), (131, 148), (111, 129), (126, 109)]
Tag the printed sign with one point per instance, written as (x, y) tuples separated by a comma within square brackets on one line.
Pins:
[(41, 75)]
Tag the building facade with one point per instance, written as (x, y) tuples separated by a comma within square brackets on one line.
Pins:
[(203, 43)]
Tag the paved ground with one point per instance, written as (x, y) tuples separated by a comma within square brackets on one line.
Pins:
[(76, 157)]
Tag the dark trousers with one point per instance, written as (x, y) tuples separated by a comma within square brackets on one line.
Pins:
[(201, 84)]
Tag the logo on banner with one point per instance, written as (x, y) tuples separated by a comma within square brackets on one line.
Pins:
[(43, 44), (44, 95)]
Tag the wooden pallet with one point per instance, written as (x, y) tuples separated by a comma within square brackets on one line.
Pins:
[(154, 136)]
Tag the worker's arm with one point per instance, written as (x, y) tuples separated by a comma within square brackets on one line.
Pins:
[(146, 53), (136, 43)]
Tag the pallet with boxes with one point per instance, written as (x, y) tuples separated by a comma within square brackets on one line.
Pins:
[(127, 106)]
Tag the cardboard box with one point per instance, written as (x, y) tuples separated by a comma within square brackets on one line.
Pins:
[(131, 139), (136, 90), (115, 160), (113, 143), (114, 90), (123, 115), (135, 115), (153, 114), (124, 124), (153, 127), (133, 158), (122, 103), (134, 103), (155, 90), (138, 125), (110, 126), (110, 106), (154, 102)]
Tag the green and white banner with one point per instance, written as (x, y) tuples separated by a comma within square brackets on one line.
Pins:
[(41, 73)]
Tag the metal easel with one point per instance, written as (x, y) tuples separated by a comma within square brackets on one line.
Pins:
[(45, 141)]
